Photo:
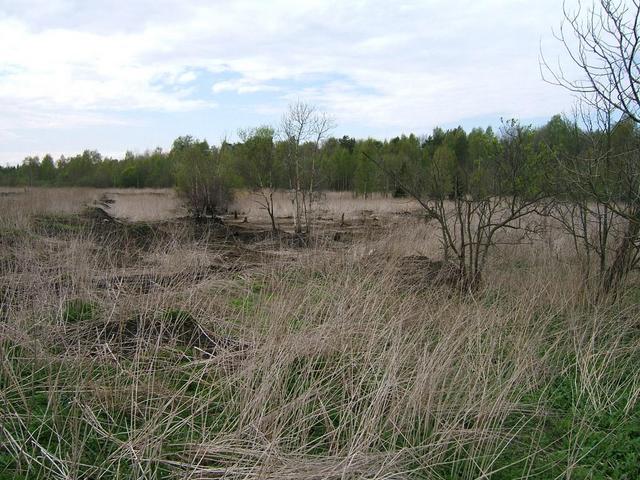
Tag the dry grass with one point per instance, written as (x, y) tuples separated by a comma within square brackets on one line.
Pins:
[(131, 204), (330, 205), (163, 204), (198, 357)]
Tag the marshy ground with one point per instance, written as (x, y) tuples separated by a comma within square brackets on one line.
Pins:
[(144, 345)]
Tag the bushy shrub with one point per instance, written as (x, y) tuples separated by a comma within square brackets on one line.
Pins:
[(205, 195), (201, 177)]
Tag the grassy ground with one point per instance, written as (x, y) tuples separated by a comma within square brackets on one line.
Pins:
[(168, 349)]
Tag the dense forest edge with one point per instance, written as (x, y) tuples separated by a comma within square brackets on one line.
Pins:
[(259, 158)]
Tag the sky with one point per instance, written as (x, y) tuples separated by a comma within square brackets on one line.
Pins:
[(133, 75)]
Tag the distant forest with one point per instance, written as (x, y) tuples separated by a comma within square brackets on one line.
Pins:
[(341, 164)]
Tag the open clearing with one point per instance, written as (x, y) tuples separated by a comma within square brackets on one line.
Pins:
[(141, 344)]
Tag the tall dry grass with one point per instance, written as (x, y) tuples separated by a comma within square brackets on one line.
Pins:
[(327, 205), (19, 204), (162, 204), (321, 363)]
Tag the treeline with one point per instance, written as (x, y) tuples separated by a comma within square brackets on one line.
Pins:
[(259, 159), (91, 169)]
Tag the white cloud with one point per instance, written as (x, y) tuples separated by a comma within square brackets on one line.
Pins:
[(242, 85), (79, 70), (391, 66)]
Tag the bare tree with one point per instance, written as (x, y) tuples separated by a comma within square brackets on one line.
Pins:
[(602, 41), (591, 224), (303, 129), (475, 206)]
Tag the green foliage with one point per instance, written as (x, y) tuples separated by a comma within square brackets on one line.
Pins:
[(577, 438), (201, 176), (177, 316), (248, 303), (339, 164), (367, 178), (78, 310), (604, 443), (256, 161), (518, 160), (442, 173), (44, 418)]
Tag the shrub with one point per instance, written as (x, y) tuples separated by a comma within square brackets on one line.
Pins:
[(201, 178), (205, 196)]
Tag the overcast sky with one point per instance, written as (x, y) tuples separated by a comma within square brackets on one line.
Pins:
[(133, 75)]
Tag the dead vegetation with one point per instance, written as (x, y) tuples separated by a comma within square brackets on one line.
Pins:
[(173, 349)]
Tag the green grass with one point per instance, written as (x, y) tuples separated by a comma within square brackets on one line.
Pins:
[(78, 310)]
